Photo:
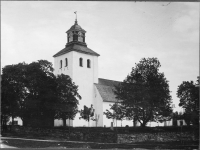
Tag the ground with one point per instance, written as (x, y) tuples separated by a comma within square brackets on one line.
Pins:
[(10, 142), (38, 138)]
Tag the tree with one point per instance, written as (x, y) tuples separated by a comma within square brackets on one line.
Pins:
[(145, 92), (12, 91), (188, 94), (118, 112), (36, 95), (40, 85), (87, 113), (27, 92), (67, 98)]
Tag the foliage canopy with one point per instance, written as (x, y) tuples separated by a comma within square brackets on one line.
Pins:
[(33, 93), (188, 93), (145, 93)]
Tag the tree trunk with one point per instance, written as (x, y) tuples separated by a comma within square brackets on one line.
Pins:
[(12, 121), (64, 121), (134, 120), (12, 126), (143, 124), (24, 122)]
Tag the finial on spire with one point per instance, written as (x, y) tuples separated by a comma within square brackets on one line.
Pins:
[(76, 17)]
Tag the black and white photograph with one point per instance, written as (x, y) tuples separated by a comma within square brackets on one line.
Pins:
[(100, 74)]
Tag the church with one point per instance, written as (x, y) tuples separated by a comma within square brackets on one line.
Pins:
[(81, 64)]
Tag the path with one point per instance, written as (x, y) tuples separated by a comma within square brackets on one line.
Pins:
[(4, 145)]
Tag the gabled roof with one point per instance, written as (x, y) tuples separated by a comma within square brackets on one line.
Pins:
[(106, 89), (77, 48)]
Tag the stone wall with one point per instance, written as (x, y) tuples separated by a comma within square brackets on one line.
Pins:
[(155, 137), (65, 134), (104, 135)]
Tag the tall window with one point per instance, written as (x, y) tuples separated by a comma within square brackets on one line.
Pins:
[(60, 63), (88, 63), (66, 62), (81, 62)]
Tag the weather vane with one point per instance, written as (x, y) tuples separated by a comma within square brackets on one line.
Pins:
[(76, 14)]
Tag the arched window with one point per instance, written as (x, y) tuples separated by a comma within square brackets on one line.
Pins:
[(81, 62), (60, 63), (66, 62), (88, 63)]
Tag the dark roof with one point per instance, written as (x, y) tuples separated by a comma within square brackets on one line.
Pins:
[(106, 89), (77, 48), (76, 27)]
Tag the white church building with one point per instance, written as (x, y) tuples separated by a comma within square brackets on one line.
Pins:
[(81, 64)]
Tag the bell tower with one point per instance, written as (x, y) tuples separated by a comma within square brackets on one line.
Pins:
[(81, 64), (76, 35)]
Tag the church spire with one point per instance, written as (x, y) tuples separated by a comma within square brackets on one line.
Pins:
[(76, 22), (76, 34)]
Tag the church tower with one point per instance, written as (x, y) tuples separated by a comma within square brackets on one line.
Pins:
[(81, 64)]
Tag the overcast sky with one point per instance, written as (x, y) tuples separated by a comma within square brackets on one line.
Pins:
[(121, 32)]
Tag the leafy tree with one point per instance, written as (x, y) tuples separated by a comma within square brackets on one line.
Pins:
[(87, 113), (32, 92), (67, 98), (130, 114), (188, 94), (118, 112), (145, 92), (40, 85), (27, 91), (12, 91)]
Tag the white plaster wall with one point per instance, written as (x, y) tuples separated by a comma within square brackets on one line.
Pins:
[(95, 69), (59, 122), (116, 123), (129, 123), (98, 105), (178, 123), (155, 124), (65, 70), (106, 121), (84, 77), (168, 123), (19, 120)]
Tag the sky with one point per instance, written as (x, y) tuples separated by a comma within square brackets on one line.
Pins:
[(121, 32)]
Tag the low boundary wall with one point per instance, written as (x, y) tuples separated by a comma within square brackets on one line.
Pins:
[(103, 135)]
